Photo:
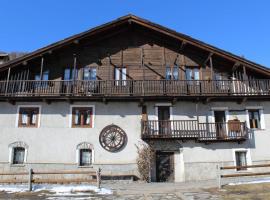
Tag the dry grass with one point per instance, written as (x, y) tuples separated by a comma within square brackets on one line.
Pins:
[(240, 192)]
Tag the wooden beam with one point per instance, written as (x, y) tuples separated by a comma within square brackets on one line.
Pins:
[(212, 67), (7, 81), (41, 68), (235, 66), (74, 66), (182, 46), (208, 58)]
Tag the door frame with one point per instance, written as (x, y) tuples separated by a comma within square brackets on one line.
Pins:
[(163, 104), (226, 111), (172, 155), (156, 113)]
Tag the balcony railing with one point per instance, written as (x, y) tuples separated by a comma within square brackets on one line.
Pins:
[(193, 130), (23, 88)]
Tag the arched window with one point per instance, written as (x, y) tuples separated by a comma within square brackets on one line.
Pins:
[(18, 153), (85, 154)]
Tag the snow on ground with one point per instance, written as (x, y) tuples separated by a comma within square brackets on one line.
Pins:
[(266, 180), (57, 189)]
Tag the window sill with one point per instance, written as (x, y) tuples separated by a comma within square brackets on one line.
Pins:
[(17, 165), (89, 166), (257, 129)]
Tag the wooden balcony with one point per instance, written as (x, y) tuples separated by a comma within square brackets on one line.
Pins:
[(134, 88), (193, 130)]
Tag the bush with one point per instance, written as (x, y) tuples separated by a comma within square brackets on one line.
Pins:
[(144, 160)]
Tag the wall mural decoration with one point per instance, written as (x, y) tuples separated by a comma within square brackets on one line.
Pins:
[(112, 138)]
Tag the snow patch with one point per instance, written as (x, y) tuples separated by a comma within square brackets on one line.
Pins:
[(57, 189), (251, 182)]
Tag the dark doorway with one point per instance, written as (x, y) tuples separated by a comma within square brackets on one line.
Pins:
[(220, 123), (165, 166), (164, 120)]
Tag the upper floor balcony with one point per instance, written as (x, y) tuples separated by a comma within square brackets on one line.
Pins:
[(134, 88), (232, 131)]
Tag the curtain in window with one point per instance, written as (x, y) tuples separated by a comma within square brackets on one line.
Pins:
[(124, 76), (88, 115), (168, 73), (24, 117), (77, 116), (175, 73), (34, 118), (196, 74)]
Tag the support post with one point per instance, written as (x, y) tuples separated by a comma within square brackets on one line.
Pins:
[(211, 66), (218, 176), (41, 68), (74, 66), (98, 175), (30, 179), (7, 81), (142, 65)]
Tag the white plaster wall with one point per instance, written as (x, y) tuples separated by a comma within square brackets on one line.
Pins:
[(55, 142)]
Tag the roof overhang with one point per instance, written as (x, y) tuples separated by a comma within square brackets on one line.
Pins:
[(129, 19)]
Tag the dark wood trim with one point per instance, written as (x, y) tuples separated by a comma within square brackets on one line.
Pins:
[(82, 109), (30, 111)]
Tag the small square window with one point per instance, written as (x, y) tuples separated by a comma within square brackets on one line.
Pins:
[(85, 157), (18, 155), (241, 159), (28, 117), (254, 119), (82, 117)]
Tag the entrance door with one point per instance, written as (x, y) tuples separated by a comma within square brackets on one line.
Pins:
[(164, 120), (165, 166), (220, 120)]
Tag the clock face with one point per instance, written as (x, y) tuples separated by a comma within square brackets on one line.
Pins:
[(112, 138)]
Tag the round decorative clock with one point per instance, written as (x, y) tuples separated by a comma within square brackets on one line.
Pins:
[(112, 138)]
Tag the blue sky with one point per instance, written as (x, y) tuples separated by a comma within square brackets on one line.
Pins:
[(239, 26)]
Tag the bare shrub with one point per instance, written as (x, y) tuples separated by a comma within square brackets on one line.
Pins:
[(144, 160)]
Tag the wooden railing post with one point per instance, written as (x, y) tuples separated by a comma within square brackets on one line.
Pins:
[(98, 174), (219, 176), (30, 179)]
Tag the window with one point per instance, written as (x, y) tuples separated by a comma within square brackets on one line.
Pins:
[(254, 119), (85, 154), (82, 117), (28, 117), (69, 73), (85, 157), (120, 75), (89, 73), (18, 155), (45, 76), (172, 73), (192, 73), (241, 159)]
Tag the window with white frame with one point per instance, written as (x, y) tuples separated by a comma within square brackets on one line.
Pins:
[(18, 153), (84, 154), (255, 118), (120, 76), (85, 157), (241, 159)]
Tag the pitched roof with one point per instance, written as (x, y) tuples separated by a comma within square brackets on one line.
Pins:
[(156, 27)]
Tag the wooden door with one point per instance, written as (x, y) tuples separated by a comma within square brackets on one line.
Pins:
[(165, 166), (164, 120)]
